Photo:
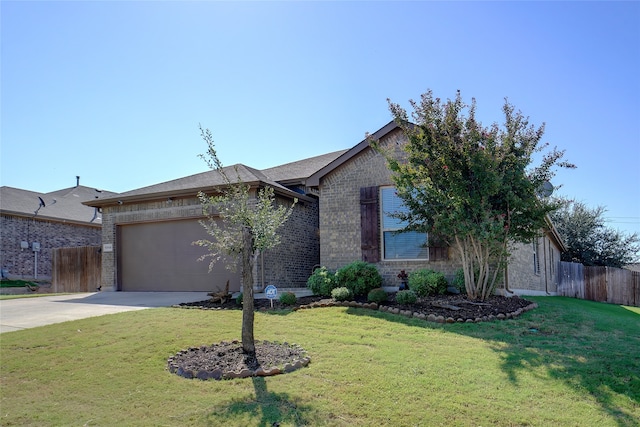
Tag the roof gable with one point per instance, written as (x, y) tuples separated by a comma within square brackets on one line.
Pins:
[(314, 179)]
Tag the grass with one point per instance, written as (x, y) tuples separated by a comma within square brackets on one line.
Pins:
[(569, 362), (10, 283), (3, 297)]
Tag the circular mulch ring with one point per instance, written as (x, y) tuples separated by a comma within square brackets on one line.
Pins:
[(226, 360)]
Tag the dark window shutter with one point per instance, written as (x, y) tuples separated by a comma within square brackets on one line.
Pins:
[(369, 224), (438, 253), (438, 250)]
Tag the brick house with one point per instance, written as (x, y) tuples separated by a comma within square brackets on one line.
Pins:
[(356, 190), (147, 233), (33, 224), (340, 218)]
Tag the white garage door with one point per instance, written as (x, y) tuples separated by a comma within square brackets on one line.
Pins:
[(159, 257)]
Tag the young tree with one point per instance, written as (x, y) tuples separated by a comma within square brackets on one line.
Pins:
[(241, 226), (589, 240), (471, 185)]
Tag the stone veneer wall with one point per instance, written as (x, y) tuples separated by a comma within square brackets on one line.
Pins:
[(340, 214), (20, 263), (287, 265)]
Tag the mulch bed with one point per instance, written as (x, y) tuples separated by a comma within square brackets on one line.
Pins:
[(226, 360), (456, 307)]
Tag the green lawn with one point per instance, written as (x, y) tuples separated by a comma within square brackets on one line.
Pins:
[(567, 363)]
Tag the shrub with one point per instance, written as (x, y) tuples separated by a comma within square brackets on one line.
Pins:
[(359, 277), (322, 282), (427, 282), (239, 299), (458, 280), (288, 298), (406, 297), (377, 295), (341, 294)]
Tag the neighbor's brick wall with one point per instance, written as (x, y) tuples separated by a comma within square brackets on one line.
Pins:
[(289, 264), (340, 214), (20, 263)]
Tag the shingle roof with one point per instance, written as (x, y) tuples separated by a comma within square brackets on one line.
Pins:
[(301, 169), (62, 205), (294, 172)]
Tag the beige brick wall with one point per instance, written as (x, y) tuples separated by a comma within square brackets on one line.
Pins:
[(340, 214), (522, 277)]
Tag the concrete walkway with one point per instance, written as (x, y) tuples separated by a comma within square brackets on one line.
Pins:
[(23, 313)]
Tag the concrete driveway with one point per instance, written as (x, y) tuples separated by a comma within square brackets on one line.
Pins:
[(23, 313)]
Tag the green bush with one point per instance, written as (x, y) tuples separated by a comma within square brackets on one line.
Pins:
[(359, 277), (239, 299), (426, 282), (322, 282), (406, 297), (288, 298), (341, 294), (377, 295), (458, 280)]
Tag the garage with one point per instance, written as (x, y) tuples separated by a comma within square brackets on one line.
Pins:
[(159, 256)]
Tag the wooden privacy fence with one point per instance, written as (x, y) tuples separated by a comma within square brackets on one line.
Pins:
[(604, 284), (76, 269)]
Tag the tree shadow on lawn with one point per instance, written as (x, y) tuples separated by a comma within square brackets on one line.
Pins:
[(592, 347), (268, 408)]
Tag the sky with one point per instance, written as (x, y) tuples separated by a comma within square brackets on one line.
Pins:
[(115, 91)]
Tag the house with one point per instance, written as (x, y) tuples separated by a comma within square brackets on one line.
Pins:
[(342, 216), (356, 194), (147, 233), (33, 224)]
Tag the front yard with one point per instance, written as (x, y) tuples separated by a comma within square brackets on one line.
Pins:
[(568, 362)]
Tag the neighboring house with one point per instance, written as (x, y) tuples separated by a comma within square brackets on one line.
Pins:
[(148, 233), (33, 224), (356, 195)]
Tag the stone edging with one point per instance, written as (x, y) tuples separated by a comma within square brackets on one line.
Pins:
[(394, 310), (219, 374), (421, 316)]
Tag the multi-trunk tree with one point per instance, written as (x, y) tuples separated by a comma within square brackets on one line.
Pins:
[(471, 185), (241, 226)]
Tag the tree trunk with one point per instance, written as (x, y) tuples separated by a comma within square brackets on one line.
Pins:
[(248, 343)]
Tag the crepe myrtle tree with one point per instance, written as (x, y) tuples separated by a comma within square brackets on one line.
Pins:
[(241, 227), (472, 186)]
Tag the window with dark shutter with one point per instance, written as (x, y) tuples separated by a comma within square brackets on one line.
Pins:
[(369, 224)]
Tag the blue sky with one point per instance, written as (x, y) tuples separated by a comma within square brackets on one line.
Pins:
[(114, 91)]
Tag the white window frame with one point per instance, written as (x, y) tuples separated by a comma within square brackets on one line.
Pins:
[(387, 228)]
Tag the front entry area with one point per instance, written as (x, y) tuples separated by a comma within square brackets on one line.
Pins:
[(159, 257)]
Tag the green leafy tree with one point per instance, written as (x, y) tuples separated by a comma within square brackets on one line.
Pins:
[(241, 227), (589, 241), (473, 186)]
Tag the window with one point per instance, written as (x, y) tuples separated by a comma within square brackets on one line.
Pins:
[(536, 257), (408, 245)]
